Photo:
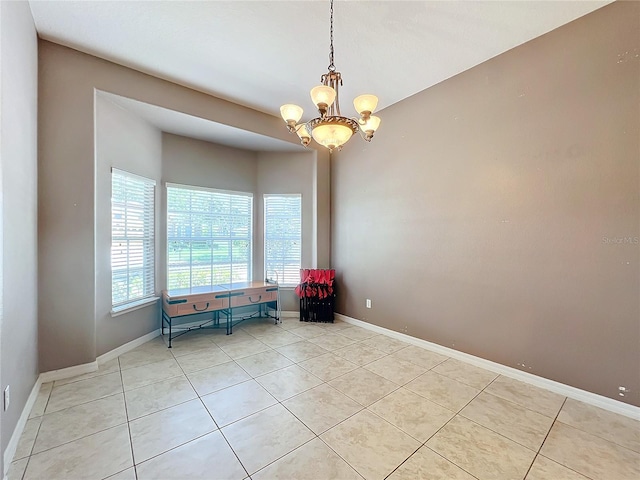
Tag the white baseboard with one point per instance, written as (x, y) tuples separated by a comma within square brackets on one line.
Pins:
[(93, 366), (10, 451), (68, 372), (556, 387), (116, 352), (59, 375), (289, 314)]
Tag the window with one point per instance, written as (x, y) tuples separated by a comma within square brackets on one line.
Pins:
[(209, 236), (283, 237), (132, 238)]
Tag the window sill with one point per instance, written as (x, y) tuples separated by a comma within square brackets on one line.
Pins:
[(130, 307)]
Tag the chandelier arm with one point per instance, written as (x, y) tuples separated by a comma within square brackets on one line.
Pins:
[(337, 101), (365, 136)]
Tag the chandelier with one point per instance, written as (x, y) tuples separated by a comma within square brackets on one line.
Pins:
[(331, 129)]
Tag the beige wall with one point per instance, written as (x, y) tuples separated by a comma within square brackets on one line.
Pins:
[(126, 142), (67, 79), (487, 212), (18, 210), (322, 209), (195, 162), (289, 173)]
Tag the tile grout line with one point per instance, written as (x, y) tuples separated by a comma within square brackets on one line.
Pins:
[(302, 392), (445, 458), (284, 455), (366, 408), (70, 382), (457, 413), (126, 410), (211, 415), (278, 402), (608, 440), (181, 403), (359, 366), (545, 439), (67, 408), (126, 413), (363, 408), (508, 438), (343, 459), (129, 421), (65, 443), (502, 434), (317, 436), (234, 452), (46, 405), (75, 439), (24, 472), (252, 377)]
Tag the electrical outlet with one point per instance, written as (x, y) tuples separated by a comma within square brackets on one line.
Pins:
[(7, 398), (368, 303)]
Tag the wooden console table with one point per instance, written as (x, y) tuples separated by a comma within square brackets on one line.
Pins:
[(216, 299)]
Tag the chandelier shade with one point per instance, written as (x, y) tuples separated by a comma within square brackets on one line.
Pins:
[(323, 96), (330, 128), (371, 125), (365, 104), (303, 134), (291, 113), (333, 131)]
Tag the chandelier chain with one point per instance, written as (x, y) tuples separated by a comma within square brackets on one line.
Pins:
[(330, 128), (332, 67)]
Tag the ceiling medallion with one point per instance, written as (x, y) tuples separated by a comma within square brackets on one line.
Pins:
[(331, 129)]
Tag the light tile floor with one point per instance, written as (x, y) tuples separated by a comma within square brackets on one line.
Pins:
[(320, 401)]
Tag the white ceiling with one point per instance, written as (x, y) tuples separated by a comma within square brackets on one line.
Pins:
[(262, 54)]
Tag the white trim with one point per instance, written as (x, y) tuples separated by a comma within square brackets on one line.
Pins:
[(140, 178), (289, 314), (68, 372), (291, 195), (116, 352), (10, 451), (594, 399), (132, 306), (208, 189)]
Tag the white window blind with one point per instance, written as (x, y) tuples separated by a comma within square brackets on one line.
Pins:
[(283, 237), (132, 238), (209, 236)]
